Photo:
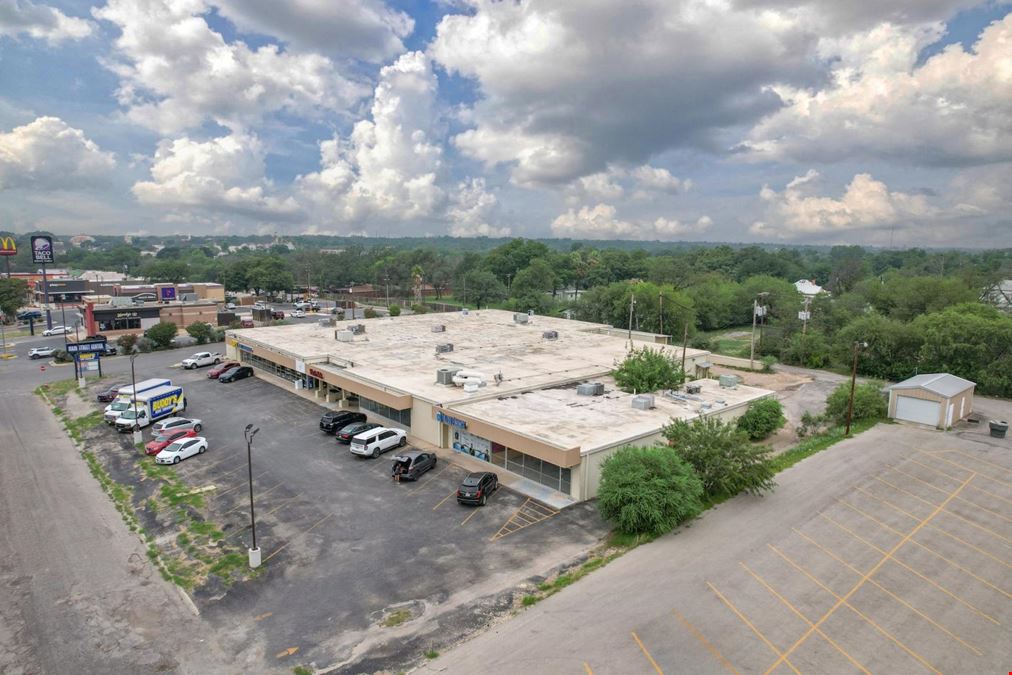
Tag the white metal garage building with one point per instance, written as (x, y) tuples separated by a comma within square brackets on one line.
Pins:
[(935, 399)]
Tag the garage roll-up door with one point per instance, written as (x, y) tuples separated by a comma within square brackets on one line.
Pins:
[(917, 410)]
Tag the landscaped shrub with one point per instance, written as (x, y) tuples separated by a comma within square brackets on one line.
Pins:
[(161, 334), (722, 455), (647, 369), (419, 309), (762, 418), (201, 332), (370, 313), (869, 403), (127, 342), (395, 310), (648, 490), (768, 363)]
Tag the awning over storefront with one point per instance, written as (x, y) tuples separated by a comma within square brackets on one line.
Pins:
[(564, 457), (338, 378)]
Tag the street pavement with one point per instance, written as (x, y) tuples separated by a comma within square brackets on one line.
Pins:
[(77, 592)]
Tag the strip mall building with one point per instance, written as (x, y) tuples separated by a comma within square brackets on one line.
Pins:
[(508, 389)]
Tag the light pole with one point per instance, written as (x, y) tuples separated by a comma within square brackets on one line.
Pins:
[(755, 313), (254, 551), (632, 306), (853, 381), (133, 393), (386, 280)]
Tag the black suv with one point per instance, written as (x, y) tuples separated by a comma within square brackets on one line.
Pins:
[(476, 487), (345, 434), (338, 419)]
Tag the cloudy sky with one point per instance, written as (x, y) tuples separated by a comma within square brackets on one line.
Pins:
[(882, 122)]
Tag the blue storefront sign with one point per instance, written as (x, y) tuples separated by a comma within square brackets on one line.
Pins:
[(168, 293), (246, 348), (452, 421), (85, 347)]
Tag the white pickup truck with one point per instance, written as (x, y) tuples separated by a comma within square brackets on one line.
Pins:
[(201, 359)]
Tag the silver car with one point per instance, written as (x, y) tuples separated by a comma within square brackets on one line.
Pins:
[(41, 352), (177, 424)]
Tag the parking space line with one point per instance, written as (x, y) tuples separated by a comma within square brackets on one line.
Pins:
[(312, 527), (282, 505), (653, 663), (236, 487), (737, 612), (586, 668), (891, 594), (978, 459), (913, 571), (947, 512), (706, 643), (787, 603), (939, 529), (869, 573), (469, 517), (521, 519), (260, 495), (928, 549), (441, 501), (972, 487), (961, 499), (844, 601), (983, 475), (427, 483)]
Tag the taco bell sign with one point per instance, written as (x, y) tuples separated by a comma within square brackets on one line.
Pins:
[(42, 249), (168, 293)]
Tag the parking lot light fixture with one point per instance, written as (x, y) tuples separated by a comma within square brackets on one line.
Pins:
[(133, 392), (254, 552)]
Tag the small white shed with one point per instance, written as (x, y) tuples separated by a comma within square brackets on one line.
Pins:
[(935, 399)]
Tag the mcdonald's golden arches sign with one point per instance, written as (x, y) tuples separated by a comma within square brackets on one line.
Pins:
[(8, 246)]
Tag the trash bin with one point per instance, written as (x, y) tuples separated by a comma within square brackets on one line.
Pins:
[(998, 428)]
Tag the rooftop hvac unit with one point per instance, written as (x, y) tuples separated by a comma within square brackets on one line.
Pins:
[(729, 381), (439, 328), (357, 328), (693, 389), (590, 389), (445, 375), (445, 347), (550, 335), (344, 335), (520, 318), (326, 322), (643, 401)]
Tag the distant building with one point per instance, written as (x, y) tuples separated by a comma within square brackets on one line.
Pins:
[(934, 399), (808, 288), (81, 239), (999, 294)]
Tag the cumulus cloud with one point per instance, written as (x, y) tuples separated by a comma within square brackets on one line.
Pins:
[(47, 154), (389, 167), (471, 209), (568, 88), (42, 22), (644, 182), (365, 29), (223, 175), (176, 72), (602, 222), (866, 203), (954, 108)]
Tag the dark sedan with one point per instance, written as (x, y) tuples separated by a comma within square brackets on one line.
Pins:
[(240, 373), (476, 487), (412, 464), (107, 395), (334, 420), (345, 434)]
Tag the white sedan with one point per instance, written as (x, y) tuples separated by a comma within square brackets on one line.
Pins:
[(298, 314), (178, 424), (181, 449), (41, 352), (58, 330)]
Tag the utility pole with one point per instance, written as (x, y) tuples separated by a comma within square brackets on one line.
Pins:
[(632, 304), (853, 382), (805, 315), (751, 354), (660, 313), (685, 345), (386, 279)]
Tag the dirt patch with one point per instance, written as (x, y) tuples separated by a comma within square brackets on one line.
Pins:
[(76, 405)]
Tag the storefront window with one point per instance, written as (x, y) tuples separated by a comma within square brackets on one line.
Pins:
[(119, 324), (528, 466), (270, 367), (402, 417)]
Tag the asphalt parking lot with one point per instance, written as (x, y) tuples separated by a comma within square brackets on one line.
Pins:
[(344, 545)]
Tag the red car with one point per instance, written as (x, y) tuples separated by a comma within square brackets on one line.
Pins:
[(219, 370), (161, 441)]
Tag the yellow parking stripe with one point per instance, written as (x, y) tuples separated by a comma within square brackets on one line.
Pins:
[(706, 643), (653, 663), (961, 499), (782, 658)]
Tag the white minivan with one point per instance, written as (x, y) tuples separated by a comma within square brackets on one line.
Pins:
[(374, 442)]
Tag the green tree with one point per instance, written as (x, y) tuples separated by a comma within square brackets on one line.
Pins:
[(869, 403), (892, 351), (762, 418), (13, 293), (722, 456), (648, 490), (714, 300), (169, 271), (482, 288), (810, 350), (201, 332), (971, 340), (161, 334), (395, 310), (645, 369), (532, 284)]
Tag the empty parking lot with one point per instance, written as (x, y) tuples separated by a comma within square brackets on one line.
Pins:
[(344, 546), (890, 552)]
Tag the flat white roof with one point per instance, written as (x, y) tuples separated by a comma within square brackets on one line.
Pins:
[(400, 353), (561, 417)]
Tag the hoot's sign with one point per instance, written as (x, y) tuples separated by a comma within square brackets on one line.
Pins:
[(8, 246)]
